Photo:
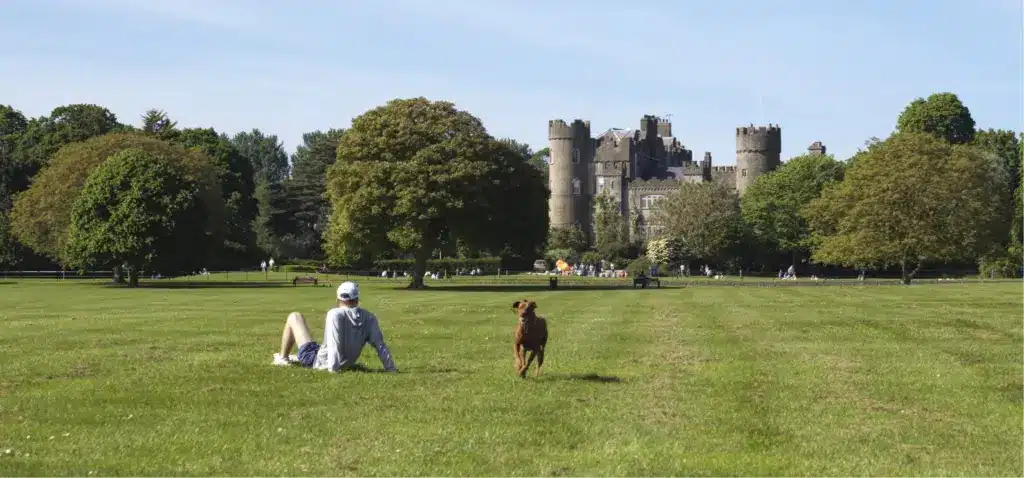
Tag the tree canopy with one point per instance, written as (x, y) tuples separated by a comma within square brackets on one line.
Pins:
[(306, 190), (704, 218), (911, 199), (411, 174), (142, 209), (771, 205), (237, 189), (42, 213), (942, 115)]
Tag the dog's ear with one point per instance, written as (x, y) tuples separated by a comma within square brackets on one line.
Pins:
[(515, 305)]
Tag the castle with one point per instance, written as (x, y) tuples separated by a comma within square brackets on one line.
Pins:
[(637, 168)]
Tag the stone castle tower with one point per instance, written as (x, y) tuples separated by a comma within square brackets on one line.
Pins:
[(758, 151), (569, 174), (639, 167)]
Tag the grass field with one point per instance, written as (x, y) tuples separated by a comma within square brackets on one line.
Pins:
[(702, 380)]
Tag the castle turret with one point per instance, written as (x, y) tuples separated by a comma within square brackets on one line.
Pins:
[(572, 153), (816, 148), (664, 128), (758, 151)]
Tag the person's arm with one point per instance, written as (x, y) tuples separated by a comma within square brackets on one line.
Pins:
[(376, 339), (331, 347)]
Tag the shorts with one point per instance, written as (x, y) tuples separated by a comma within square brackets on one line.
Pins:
[(307, 353)]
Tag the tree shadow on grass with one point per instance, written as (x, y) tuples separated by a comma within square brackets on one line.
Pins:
[(201, 284), (530, 288)]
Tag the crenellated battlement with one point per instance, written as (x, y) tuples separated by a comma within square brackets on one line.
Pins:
[(559, 129), (758, 130), (723, 169)]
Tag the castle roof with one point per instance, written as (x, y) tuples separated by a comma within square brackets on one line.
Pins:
[(619, 133)]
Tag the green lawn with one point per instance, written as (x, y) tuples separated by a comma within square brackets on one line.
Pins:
[(702, 380)]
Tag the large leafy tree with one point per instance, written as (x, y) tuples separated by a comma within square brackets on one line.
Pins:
[(42, 213), (611, 231), (65, 125), (704, 218), (270, 170), (1006, 145), (516, 208), (771, 205), (909, 200), (411, 174), (238, 192), (266, 153), (942, 115), (307, 189), (140, 209), (12, 179)]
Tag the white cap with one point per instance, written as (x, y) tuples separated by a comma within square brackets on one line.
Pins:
[(348, 291)]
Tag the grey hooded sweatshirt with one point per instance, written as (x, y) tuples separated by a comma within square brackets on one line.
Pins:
[(346, 331)]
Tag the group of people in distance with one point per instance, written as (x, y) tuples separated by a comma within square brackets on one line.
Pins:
[(348, 327)]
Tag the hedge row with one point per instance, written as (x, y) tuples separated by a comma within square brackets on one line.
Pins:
[(487, 265)]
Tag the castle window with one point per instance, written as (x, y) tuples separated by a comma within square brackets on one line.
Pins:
[(600, 185), (650, 200), (575, 156), (743, 173), (575, 186)]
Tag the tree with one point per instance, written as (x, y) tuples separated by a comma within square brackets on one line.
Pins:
[(942, 115), (704, 217), (409, 174), (540, 160), (911, 199), (307, 188), (156, 123), (142, 210), (570, 238), (265, 153), (12, 176), (238, 192), (273, 221), (515, 212), (771, 205), (1006, 146), (42, 213), (611, 232)]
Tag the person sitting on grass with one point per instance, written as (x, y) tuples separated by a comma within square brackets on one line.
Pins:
[(348, 328)]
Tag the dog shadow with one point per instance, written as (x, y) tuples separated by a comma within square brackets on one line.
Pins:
[(583, 377)]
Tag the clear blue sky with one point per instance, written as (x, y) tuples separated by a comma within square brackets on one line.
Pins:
[(836, 71)]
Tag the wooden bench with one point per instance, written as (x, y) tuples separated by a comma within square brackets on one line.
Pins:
[(644, 281), (305, 280)]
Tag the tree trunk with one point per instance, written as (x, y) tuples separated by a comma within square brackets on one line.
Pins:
[(906, 273), (118, 275), (419, 267), (133, 276)]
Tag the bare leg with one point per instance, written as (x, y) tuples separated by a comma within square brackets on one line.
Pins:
[(296, 333)]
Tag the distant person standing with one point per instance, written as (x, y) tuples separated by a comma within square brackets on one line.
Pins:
[(271, 263), (263, 266)]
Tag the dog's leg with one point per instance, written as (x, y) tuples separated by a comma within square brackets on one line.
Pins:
[(540, 360), (526, 366), (516, 354)]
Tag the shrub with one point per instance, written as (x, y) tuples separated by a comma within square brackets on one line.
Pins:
[(298, 268), (638, 266)]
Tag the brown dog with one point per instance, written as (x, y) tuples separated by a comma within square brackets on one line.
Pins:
[(531, 334)]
